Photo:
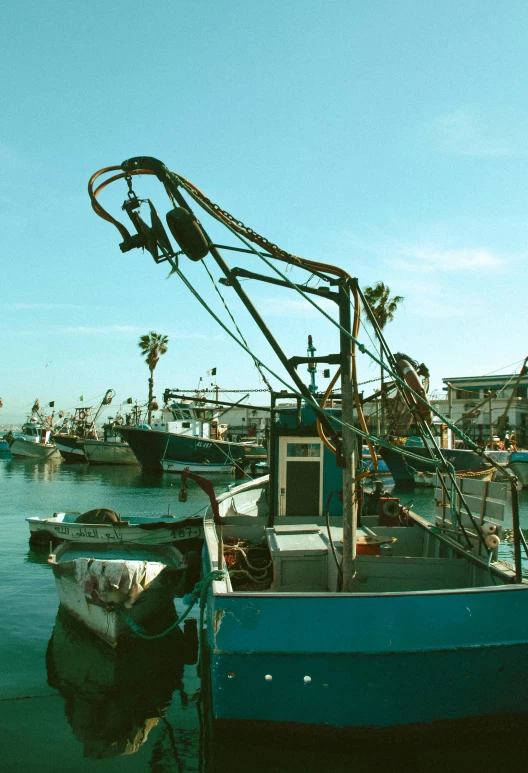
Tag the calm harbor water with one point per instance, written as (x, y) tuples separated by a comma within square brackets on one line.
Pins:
[(66, 703)]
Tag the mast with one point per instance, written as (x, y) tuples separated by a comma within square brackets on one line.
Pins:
[(196, 244), (348, 449), (312, 367)]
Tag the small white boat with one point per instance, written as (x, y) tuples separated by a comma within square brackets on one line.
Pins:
[(134, 530), (113, 590), (34, 441)]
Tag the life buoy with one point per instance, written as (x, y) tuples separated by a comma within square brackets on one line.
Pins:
[(411, 378), (82, 415)]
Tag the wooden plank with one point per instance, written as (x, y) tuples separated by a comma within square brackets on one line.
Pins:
[(496, 489), (492, 509), (485, 499)]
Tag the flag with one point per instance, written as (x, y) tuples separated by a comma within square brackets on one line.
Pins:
[(52, 404), (81, 398), (211, 372), (130, 401)]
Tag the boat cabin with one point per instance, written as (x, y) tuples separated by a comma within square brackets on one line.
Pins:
[(303, 468), (295, 520), (36, 433), (188, 419)]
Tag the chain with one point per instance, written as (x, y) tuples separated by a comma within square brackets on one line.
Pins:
[(237, 224), (229, 391), (131, 195)]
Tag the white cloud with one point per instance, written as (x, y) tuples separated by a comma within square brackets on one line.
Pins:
[(427, 258), (465, 132), (104, 330), (129, 329)]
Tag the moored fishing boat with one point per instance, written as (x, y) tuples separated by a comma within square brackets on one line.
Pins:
[(75, 429), (33, 441), (113, 590), (106, 526), (187, 437), (279, 629), (403, 468), (319, 614), (110, 449)]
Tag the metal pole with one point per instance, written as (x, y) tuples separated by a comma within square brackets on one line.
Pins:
[(347, 407), (517, 534), (271, 462)]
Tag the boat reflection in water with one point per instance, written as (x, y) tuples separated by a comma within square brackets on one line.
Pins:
[(113, 698)]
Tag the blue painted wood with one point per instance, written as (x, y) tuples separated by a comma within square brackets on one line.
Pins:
[(370, 690), (367, 624), (371, 660)]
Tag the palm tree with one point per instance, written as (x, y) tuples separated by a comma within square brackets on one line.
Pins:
[(152, 346), (383, 308)]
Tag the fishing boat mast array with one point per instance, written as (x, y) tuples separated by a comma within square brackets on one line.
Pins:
[(427, 577)]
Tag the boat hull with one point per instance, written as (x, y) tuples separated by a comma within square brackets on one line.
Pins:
[(157, 450), (5, 450), (28, 449), (70, 449), (518, 464), (155, 532), (403, 467), (102, 592), (102, 452), (390, 661), (201, 468)]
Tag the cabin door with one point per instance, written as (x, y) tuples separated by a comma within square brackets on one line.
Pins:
[(300, 476)]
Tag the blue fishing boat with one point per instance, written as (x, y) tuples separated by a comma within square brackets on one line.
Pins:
[(319, 612), (417, 637)]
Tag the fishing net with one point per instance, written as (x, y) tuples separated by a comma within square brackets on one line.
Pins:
[(250, 566)]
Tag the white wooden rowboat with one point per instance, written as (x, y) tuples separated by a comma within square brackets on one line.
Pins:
[(134, 530), (111, 590)]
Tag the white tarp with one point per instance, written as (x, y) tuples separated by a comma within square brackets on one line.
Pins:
[(107, 578)]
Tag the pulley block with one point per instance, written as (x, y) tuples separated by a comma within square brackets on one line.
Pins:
[(188, 233)]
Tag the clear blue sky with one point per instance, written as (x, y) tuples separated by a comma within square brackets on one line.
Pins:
[(387, 137)]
